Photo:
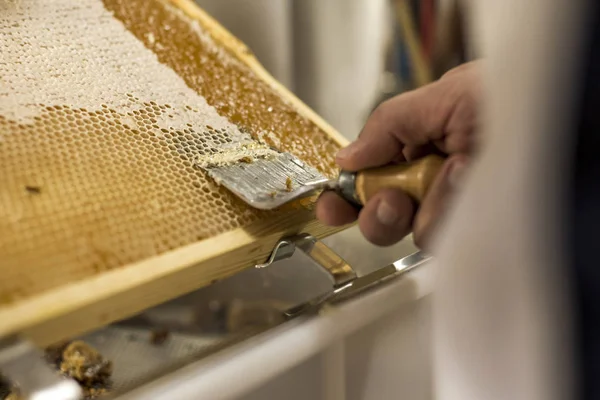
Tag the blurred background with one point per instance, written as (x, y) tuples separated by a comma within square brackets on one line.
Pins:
[(343, 57)]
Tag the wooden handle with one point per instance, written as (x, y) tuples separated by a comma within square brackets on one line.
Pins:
[(413, 178)]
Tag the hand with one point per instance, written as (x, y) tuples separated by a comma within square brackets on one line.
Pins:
[(439, 117)]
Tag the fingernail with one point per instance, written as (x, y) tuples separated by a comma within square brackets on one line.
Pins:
[(386, 214), (344, 153), (455, 176)]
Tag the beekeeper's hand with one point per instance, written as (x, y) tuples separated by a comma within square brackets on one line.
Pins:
[(439, 117)]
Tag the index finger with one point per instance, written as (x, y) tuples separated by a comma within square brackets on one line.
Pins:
[(412, 119)]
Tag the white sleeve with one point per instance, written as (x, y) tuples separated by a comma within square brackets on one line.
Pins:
[(501, 304)]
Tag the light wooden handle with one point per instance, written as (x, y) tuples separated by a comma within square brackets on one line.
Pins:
[(414, 178)]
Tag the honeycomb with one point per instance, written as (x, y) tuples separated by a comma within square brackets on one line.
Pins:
[(105, 109)]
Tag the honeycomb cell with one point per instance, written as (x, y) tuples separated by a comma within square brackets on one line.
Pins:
[(99, 137)]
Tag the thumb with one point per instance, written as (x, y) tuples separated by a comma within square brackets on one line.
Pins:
[(435, 203)]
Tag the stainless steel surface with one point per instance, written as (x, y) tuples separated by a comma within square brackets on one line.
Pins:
[(138, 361), (225, 314), (234, 372), (362, 284), (139, 358), (24, 365), (283, 249), (341, 272), (267, 183), (200, 325), (190, 330), (347, 187)]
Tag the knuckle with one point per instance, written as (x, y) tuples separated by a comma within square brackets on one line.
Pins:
[(462, 68), (420, 232), (382, 111), (419, 239)]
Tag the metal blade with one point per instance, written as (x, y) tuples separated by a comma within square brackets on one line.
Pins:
[(268, 183)]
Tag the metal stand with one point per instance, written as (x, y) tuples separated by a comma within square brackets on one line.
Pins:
[(346, 282), (341, 272), (24, 365)]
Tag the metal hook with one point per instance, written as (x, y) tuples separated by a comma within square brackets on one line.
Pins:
[(284, 249)]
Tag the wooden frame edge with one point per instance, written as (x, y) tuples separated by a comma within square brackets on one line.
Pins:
[(233, 44), (88, 304)]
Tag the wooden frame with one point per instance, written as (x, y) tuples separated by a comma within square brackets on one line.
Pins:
[(88, 304)]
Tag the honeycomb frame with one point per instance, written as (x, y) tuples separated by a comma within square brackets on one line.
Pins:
[(81, 305)]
